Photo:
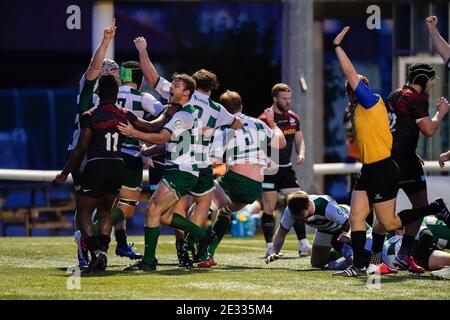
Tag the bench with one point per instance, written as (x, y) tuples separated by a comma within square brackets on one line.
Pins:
[(51, 213)]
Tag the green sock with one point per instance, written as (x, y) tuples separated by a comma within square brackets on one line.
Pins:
[(121, 238), (116, 217), (219, 227), (151, 240), (179, 222)]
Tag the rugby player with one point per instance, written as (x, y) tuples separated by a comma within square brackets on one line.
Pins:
[(377, 185), (284, 180), (245, 153)]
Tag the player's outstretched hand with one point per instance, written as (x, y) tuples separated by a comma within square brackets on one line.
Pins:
[(110, 32), (269, 114), (340, 36), (140, 43), (442, 105), (431, 22), (59, 180), (444, 157), (126, 129), (272, 258)]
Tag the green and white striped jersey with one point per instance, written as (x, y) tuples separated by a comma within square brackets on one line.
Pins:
[(244, 146), (211, 115), (86, 99), (441, 233), (329, 216), (139, 103), (180, 151)]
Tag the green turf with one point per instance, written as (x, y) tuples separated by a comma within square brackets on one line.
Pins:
[(36, 268)]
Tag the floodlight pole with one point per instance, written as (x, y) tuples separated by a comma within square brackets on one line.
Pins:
[(102, 17), (298, 73)]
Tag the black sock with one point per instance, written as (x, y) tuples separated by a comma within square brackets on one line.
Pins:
[(93, 244), (121, 237), (104, 241), (407, 243), (267, 222), (377, 248), (358, 243), (410, 215), (300, 229)]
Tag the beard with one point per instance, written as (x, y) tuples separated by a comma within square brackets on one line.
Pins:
[(284, 108)]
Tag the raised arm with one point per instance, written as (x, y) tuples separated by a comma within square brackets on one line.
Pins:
[(346, 64), (439, 43), (148, 69), (99, 55)]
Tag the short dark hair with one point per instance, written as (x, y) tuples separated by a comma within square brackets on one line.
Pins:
[(297, 202), (231, 100), (108, 88), (206, 80), (280, 87), (189, 82), (131, 72)]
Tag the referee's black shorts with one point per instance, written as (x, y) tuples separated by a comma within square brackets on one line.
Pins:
[(411, 177), (379, 180), (100, 177)]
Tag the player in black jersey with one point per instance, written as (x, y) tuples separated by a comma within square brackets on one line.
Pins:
[(101, 142), (408, 113)]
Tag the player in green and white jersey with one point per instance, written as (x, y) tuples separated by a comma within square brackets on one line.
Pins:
[(426, 250), (323, 213), (140, 103), (181, 172), (441, 232), (211, 115), (245, 153)]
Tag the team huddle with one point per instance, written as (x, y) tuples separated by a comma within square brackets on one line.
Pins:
[(119, 130)]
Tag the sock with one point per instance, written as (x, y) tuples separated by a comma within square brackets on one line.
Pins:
[(358, 243), (303, 244), (93, 244), (377, 248), (220, 226), (179, 222), (151, 236), (267, 223), (116, 217), (269, 247), (410, 215), (300, 230), (104, 241), (121, 238), (405, 248)]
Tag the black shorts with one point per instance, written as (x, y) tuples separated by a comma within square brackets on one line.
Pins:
[(284, 179), (100, 177), (411, 177), (155, 174), (422, 255), (379, 180)]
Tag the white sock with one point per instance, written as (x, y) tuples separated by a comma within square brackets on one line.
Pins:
[(303, 244), (269, 247)]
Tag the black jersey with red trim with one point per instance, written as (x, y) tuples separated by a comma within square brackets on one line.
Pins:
[(406, 106), (289, 123), (106, 138)]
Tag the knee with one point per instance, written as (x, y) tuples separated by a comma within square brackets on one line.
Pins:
[(318, 263), (388, 224)]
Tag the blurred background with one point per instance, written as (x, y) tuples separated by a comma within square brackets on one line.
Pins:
[(250, 45)]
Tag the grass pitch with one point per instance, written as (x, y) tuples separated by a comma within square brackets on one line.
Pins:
[(36, 268)]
